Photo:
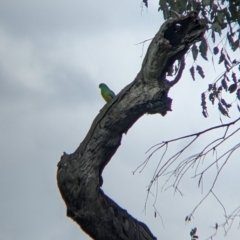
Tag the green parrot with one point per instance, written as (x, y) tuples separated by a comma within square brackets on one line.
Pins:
[(106, 93)]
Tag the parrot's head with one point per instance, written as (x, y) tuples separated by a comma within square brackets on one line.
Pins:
[(102, 85)]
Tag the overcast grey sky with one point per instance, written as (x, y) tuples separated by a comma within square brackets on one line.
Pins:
[(53, 55)]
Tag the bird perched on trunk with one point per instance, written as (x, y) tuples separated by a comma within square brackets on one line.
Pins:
[(106, 93)]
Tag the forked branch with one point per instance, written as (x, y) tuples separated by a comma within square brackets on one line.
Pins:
[(177, 171)]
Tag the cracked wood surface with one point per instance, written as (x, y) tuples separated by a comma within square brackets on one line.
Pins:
[(79, 174)]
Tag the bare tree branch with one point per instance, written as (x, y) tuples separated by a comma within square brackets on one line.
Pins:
[(143, 42), (163, 167), (79, 174), (229, 219)]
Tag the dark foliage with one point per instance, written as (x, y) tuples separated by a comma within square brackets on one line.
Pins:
[(222, 19)]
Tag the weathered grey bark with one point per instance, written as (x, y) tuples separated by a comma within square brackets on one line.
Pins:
[(79, 174)]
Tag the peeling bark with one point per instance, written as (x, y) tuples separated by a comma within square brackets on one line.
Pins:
[(79, 174)]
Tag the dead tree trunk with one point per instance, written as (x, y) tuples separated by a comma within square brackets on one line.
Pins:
[(79, 174)]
